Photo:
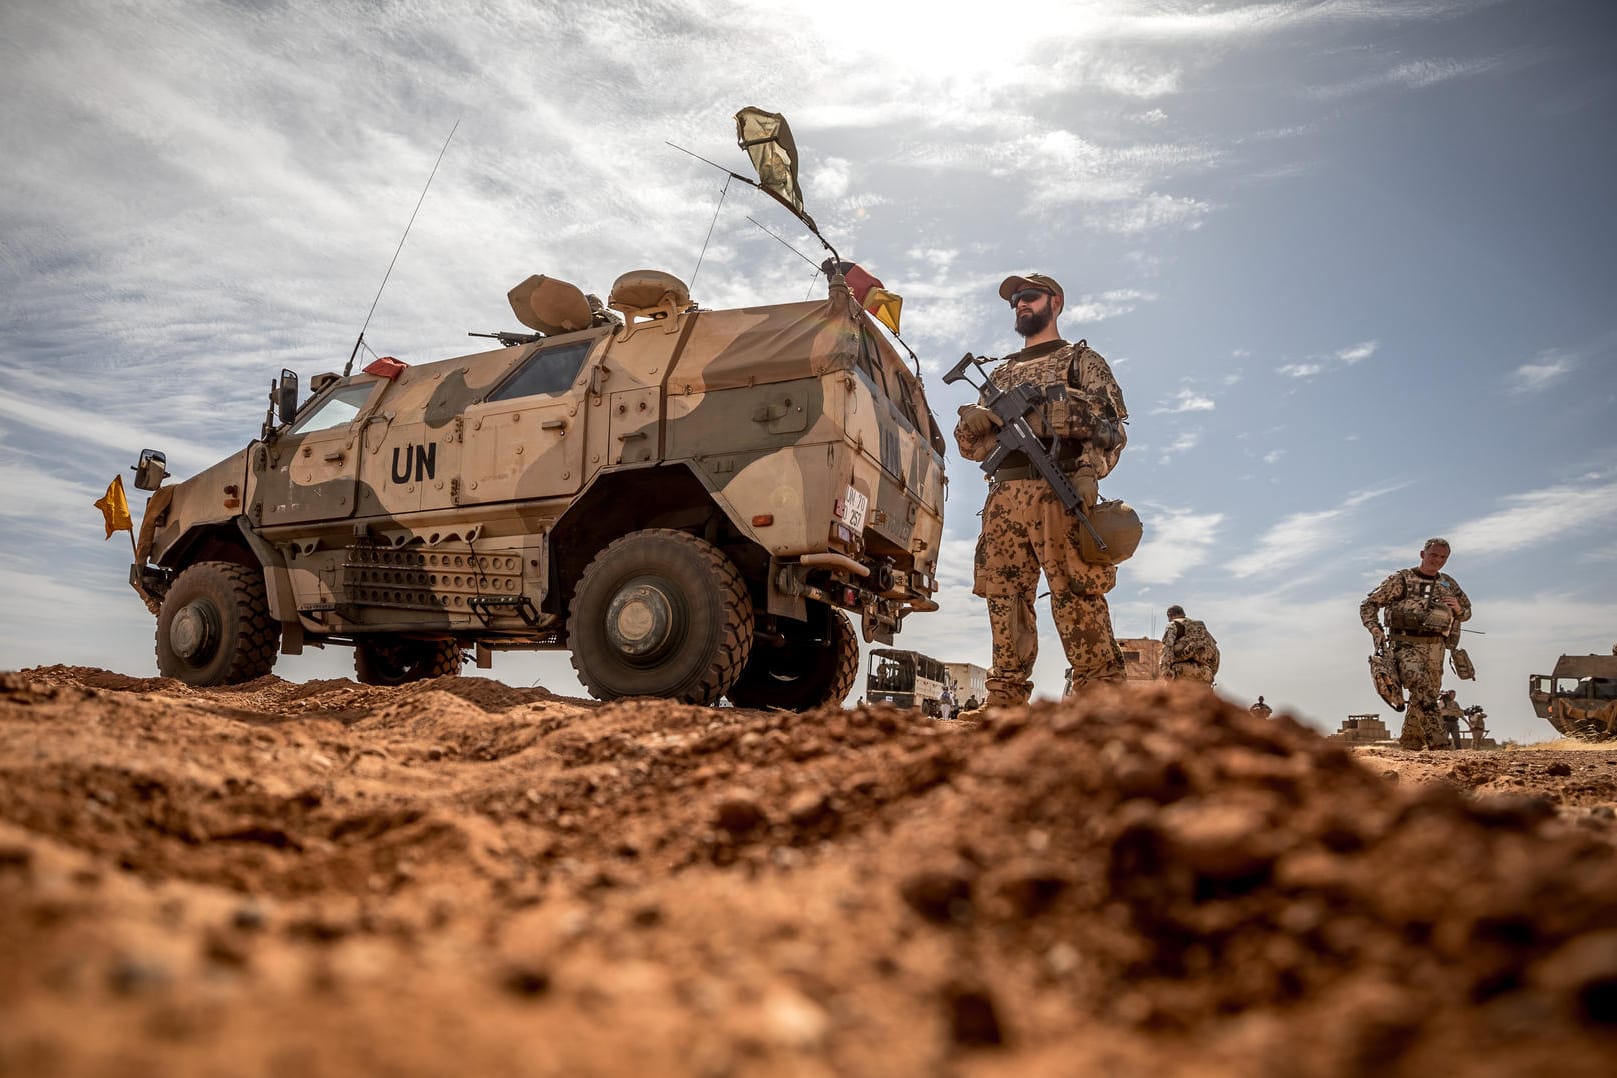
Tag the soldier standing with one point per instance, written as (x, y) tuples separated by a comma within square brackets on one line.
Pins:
[(1025, 527), (1422, 605), (1189, 652), (1450, 713), (1261, 709)]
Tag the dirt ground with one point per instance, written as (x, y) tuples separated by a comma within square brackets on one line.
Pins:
[(462, 877)]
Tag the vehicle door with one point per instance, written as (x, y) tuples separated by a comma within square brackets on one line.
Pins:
[(309, 473), (525, 439)]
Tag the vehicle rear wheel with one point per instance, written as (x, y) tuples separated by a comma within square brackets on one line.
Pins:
[(808, 669), (215, 628), (660, 613), (397, 660)]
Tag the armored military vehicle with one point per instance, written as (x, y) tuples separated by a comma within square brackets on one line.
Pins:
[(1579, 698), (691, 501)]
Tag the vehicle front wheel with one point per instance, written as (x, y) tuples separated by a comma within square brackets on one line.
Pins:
[(804, 671), (397, 660), (660, 613), (215, 628)]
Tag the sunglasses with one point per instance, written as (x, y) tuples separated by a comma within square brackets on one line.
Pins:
[(1028, 295)]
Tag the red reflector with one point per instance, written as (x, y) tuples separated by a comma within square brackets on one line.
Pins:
[(387, 367), (763, 520)]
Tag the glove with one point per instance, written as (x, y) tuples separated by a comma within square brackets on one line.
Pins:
[(977, 421)]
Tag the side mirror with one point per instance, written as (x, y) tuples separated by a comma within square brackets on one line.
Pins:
[(285, 395), (151, 471)]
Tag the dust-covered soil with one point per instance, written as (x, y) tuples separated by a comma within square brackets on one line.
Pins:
[(462, 877)]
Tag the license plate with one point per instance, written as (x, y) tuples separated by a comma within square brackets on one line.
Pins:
[(854, 507)]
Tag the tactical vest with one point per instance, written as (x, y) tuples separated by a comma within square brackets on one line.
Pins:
[(1420, 609), (1087, 379)]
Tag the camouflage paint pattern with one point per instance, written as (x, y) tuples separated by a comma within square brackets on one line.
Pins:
[(436, 497)]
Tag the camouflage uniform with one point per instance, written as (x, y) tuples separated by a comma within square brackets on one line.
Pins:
[(1261, 709), (1181, 637), (1025, 529), (1417, 625)]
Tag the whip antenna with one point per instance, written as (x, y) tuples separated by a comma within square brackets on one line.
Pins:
[(360, 340)]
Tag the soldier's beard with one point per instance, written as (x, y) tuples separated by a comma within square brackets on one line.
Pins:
[(1030, 323)]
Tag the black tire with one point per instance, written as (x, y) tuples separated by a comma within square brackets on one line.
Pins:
[(808, 670), (398, 660), (214, 627), (660, 613)]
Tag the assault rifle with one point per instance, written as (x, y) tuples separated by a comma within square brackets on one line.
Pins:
[(1015, 435), (510, 340)]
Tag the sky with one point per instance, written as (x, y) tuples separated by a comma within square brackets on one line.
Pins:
[(1351, 260)]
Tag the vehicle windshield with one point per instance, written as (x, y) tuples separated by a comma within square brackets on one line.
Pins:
[(337, 410)]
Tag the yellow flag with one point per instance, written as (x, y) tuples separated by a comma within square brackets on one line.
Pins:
[(885, 306), (115, 507)]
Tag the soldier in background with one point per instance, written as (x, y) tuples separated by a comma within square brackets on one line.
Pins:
[(1422, 604), (1450, 713), (1025, 527), (1261, 709), (1189, 651)]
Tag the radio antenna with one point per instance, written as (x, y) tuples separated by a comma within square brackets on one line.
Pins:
[(360, 340)]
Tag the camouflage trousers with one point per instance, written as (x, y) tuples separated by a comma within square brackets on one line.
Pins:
[(1420, 670), (1026, 530), (1190, 671)]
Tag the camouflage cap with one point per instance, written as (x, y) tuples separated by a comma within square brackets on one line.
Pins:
[(1011, 285)]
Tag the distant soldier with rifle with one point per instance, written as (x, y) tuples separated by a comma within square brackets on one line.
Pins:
[(1424, 608), (1048, 426)]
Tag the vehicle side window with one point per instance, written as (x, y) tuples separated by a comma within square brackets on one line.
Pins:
[(870, 362), (337, 410), (906, 404), (547, 371)]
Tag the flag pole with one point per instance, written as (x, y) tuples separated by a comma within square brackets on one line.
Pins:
[(813, 230)]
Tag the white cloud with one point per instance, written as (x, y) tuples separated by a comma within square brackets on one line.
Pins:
[(1299, 537), (1184, 441), (1176, 541), (1300, 370), (83, 425), (1545, 369), (1273, 456), (1354, 353), (1108, 304), (1527, 519), (1186, 400), (1316, 365), (1410, 75), (1151, 212), (829, 179)]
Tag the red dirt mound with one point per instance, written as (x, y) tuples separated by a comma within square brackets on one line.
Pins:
[(457, 876)]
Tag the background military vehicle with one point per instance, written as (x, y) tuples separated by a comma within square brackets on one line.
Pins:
[(1579, 698), (907, 679), (691, 501)]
